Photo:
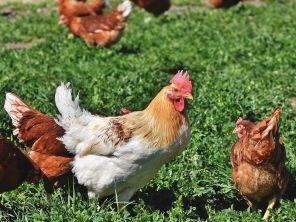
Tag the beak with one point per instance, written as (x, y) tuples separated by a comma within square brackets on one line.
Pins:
[(188, 96), (234, 131), (61, 21)]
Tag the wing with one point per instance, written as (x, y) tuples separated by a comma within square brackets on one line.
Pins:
[(236, 155), (254, 152), (263, 143), (115, 20), (53, 166), (101, 136)]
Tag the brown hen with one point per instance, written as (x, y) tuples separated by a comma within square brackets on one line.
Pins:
[(155, 7), (258, 162), (70, 8), (100, 30), (16, 167), (40, 133)]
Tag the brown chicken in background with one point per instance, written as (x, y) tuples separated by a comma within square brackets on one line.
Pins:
[(71, 8), (223, 3), (155, 7), (39, 134), (258, 162), (16, 167), (100, 30)]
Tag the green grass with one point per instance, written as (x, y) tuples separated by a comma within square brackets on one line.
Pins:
[(242, 62)]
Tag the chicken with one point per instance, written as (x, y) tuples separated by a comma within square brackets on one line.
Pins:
[(258, 162), (121, 154), (16, 167), (223, 3), (39, 134), (100, 30), (155, 7), (71, 8)]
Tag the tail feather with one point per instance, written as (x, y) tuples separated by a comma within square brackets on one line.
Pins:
[(70, 111), (63, 99), (272, 123), (15, 108), (125, 8)]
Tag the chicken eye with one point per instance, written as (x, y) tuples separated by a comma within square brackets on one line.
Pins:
[(175, 90)]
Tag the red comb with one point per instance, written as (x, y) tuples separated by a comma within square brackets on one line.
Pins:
[(182, 81)]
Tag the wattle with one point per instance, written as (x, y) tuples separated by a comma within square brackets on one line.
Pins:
[(179, 105)]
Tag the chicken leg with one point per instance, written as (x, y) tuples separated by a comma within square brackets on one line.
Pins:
[(270, 206), (251, 204), (123, 198)]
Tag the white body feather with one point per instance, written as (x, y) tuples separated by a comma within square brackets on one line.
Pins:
[(129, 168)]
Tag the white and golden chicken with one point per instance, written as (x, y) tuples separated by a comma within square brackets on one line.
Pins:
[(121, 154)]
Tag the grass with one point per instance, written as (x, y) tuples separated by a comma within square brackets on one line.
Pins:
[(242, 62)]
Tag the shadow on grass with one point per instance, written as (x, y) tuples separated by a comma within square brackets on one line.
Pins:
[(161, 200), (290, 193), (164, 199), (9, 214), (127, 50)]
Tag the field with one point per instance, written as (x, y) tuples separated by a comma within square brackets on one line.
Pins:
[(242, 62)]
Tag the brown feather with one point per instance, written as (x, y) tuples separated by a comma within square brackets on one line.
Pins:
[(40, 134), (258, 162), (156, 7), (53, 166), (16, 167), (223, 3), (71, 8), (99, 29)]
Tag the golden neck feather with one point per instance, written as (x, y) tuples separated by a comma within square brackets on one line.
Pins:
[(159, 123)]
